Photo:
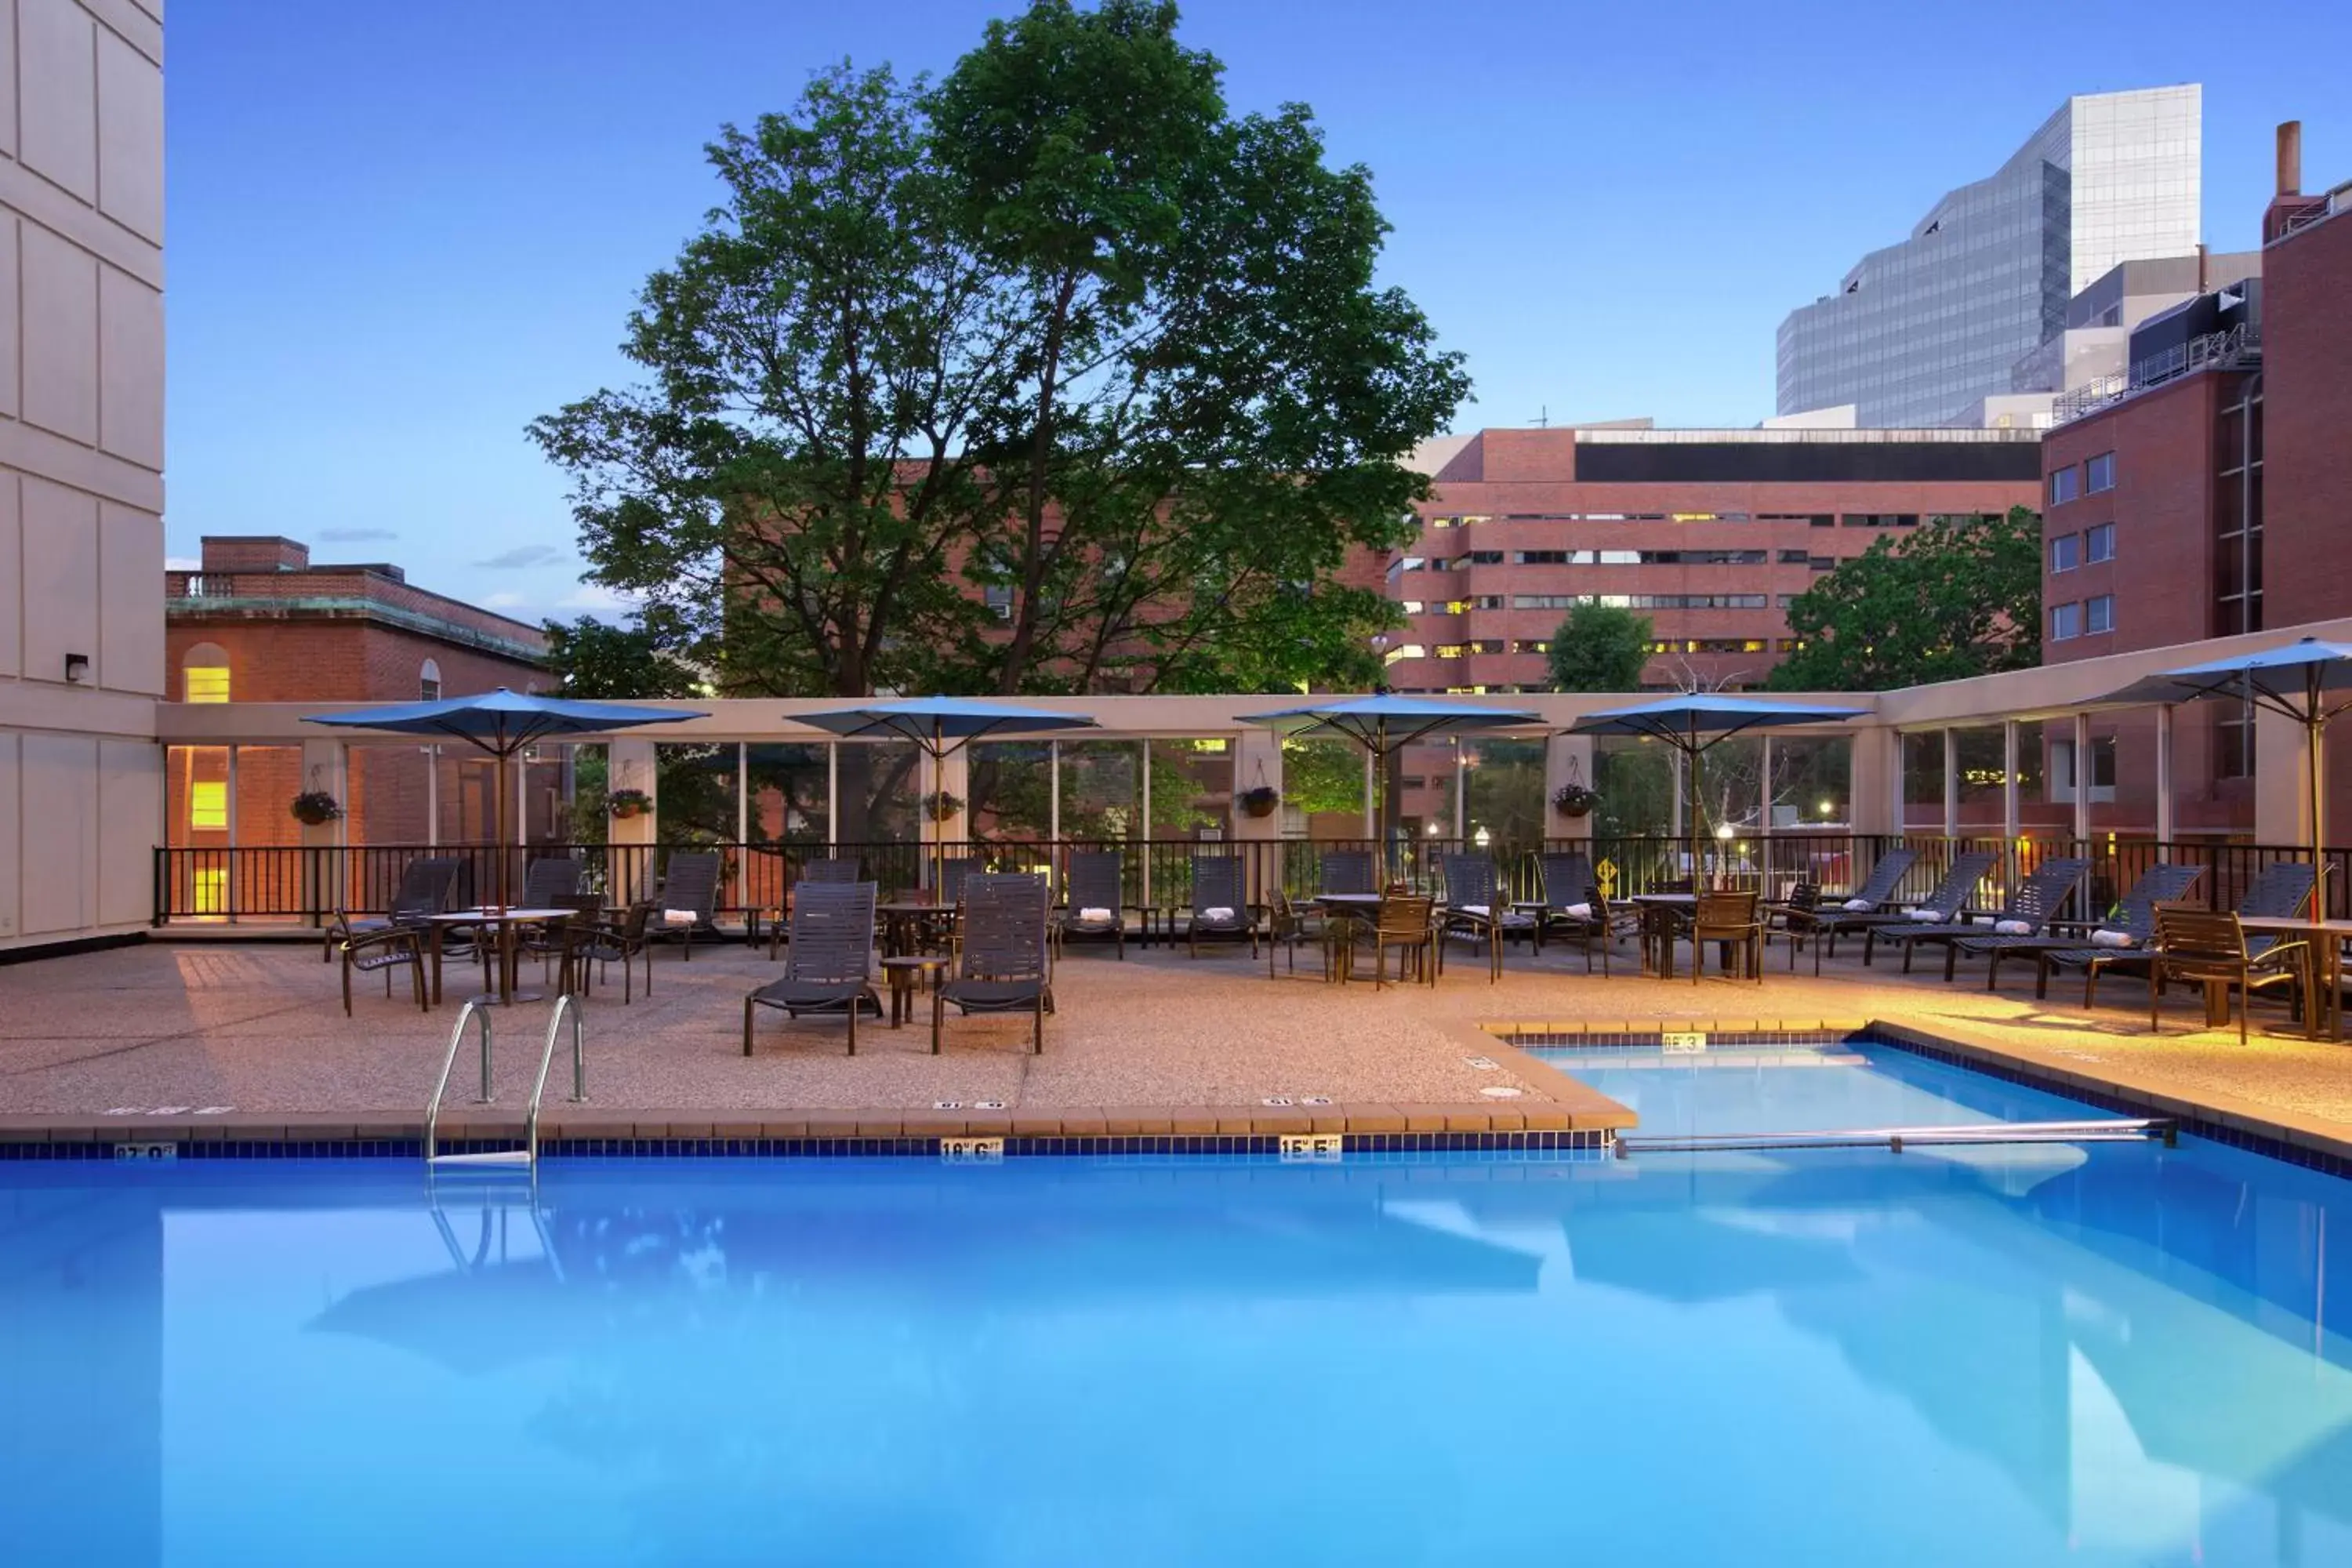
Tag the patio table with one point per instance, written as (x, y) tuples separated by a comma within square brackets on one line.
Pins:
[(2323, 993), (506, 923), (1664, 917)]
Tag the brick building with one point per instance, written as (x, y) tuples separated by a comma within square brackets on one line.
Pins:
[(1709, 533), (2206, 496), (259, 623)]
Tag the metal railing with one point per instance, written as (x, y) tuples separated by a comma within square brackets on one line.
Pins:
[(305, 885), (2117, 1130), (567, 1008)]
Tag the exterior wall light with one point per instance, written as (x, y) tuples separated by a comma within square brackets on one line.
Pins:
[(77, 669)]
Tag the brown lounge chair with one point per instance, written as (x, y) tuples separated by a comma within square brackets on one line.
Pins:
[(2210, 949), (830, 968)]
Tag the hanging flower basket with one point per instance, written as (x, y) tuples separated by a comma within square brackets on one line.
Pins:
[(1573, 800), (1260, 800), (624, 803), (316, 808), (941, 806)]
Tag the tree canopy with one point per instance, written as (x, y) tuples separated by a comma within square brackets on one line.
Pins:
[(596, 659), (1599, 648), (1053, 376), (1946, 601)]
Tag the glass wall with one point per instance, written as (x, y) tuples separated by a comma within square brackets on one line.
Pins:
[(1012, 786), (1923, 781), (1503, 796), (1812, 782), (1731, 787), (1191, 788), (1636, 780), (2045, 807), (697, 793), (1322, 789), (1980, 756), (1102, 785), (879, 783)]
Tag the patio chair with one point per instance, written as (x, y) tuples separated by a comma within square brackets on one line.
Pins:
[(1867, 906), (1221, 907), (1474, 909), (1729, 918), (1407, 922), (1939, 909), (1346, 871), (553, 942), (386, 951), (953, 870), (425, 884), (2210, 949), (689, 898), (2133, 918), (1095, 907), (1002, 965), (1288, 924), (601, 941), (548, 879), (2281, 891), (1593, 927), (830, 969), (1569, 883), (2028, 911)]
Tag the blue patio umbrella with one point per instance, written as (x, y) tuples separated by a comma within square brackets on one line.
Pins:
[(1384, 725), (501, 723), (941, 726), (1695, 723), (2308, 681)]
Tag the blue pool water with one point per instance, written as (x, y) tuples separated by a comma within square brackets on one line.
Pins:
[(2119, 1354)]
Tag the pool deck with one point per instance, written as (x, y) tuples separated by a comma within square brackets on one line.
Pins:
[(198, 1039)]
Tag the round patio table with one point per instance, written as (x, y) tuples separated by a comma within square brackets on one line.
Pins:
[(506, 922), (907, 923), (1664, 917), (1354, 909), (906, 974)]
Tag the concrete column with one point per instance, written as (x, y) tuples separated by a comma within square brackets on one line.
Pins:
[(1257, 755), (1951, 784), (325, 766), (2082, 777), (2012, 818), (1567, 758), (1053, 791), (1875, 781), (629, 764), (2164, 775), (2282, 785)]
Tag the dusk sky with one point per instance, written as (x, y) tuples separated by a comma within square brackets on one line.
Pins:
[(400, 232)]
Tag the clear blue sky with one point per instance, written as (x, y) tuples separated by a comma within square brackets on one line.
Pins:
[(399, 231)]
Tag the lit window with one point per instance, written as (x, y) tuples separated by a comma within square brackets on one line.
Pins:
[(209, 890), (205, 683), (2099, 613), (2065, 484), (208, 806), (2099, 473), (2065, 621), (2065, 552), (2099, 544), (1406, 650)]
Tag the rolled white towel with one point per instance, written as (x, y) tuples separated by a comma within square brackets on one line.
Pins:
[(678, 916), (1217, 912), (1579, 911), (2013, 927), (2113, 938), (1474, 909), (1926, 917), (1859, 906), (1094, 912)]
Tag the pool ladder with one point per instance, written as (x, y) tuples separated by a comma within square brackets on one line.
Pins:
[(2117, 1130), (567, 1009)]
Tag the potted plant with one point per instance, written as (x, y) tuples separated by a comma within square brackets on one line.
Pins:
[(1573, 800), (1259, 800), (624, 803), (315, 807), (941, 806)]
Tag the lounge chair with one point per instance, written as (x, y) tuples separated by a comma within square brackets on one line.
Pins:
[(689, 898), (953, 870), (2281, 891), (1730, 919), (1569, 883), (1002, 965), (1867, 906), (1221, 907), (1939, 908), (1474, 909), (2133, 918), (821, 870), (830, 969), (425, 884), (2211, 950), (1096, 906), (2028, 911)]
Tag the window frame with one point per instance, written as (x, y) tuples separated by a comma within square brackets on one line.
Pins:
[(2066, 621), (2066, 552), (2093, 473), (2092, 610), (2104, 531), (2062, 485)]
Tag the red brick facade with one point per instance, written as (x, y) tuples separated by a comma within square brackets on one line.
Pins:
[(2307, 371)]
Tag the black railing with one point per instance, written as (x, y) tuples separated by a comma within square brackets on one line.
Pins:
[(309, 885)]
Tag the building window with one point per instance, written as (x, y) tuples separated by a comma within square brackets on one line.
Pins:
[(1881, 520), (2099, 544), (209, 884), (2099, 613), (428, 682), (204, 674), (2065, 484), (1821, 563), (2234, 745), (2066, 552), (2065, 621), (2099, 473), (208, 806), (1793, 558)]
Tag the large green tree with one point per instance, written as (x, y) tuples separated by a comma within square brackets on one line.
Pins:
[(1056, 376), (1946, 601), (594, 660), (1599, 648)]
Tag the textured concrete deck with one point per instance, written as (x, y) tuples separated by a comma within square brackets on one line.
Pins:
[(1158, 1042)]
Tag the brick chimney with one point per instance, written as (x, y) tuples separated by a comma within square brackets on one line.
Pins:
[(253, 553), (2289, 205)]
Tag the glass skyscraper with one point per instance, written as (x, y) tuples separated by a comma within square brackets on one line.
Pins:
[(1919, 332)]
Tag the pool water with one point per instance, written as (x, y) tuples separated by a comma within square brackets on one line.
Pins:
[(2110, 1355)]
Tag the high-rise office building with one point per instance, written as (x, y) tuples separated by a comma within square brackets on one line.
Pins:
[(1920, 332)]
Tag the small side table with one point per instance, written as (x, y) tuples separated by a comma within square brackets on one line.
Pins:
[(904, 972)]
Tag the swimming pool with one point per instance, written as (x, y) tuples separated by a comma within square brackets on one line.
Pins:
[(2107, 1355)]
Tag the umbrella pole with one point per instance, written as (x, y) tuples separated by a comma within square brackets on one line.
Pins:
[(2314, 736)]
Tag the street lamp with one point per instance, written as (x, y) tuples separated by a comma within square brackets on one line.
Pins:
[(1382, 642)]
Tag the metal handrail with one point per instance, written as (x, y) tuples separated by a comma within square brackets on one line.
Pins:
[(457, 1039), (566, 1006), (2102, 1130)]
